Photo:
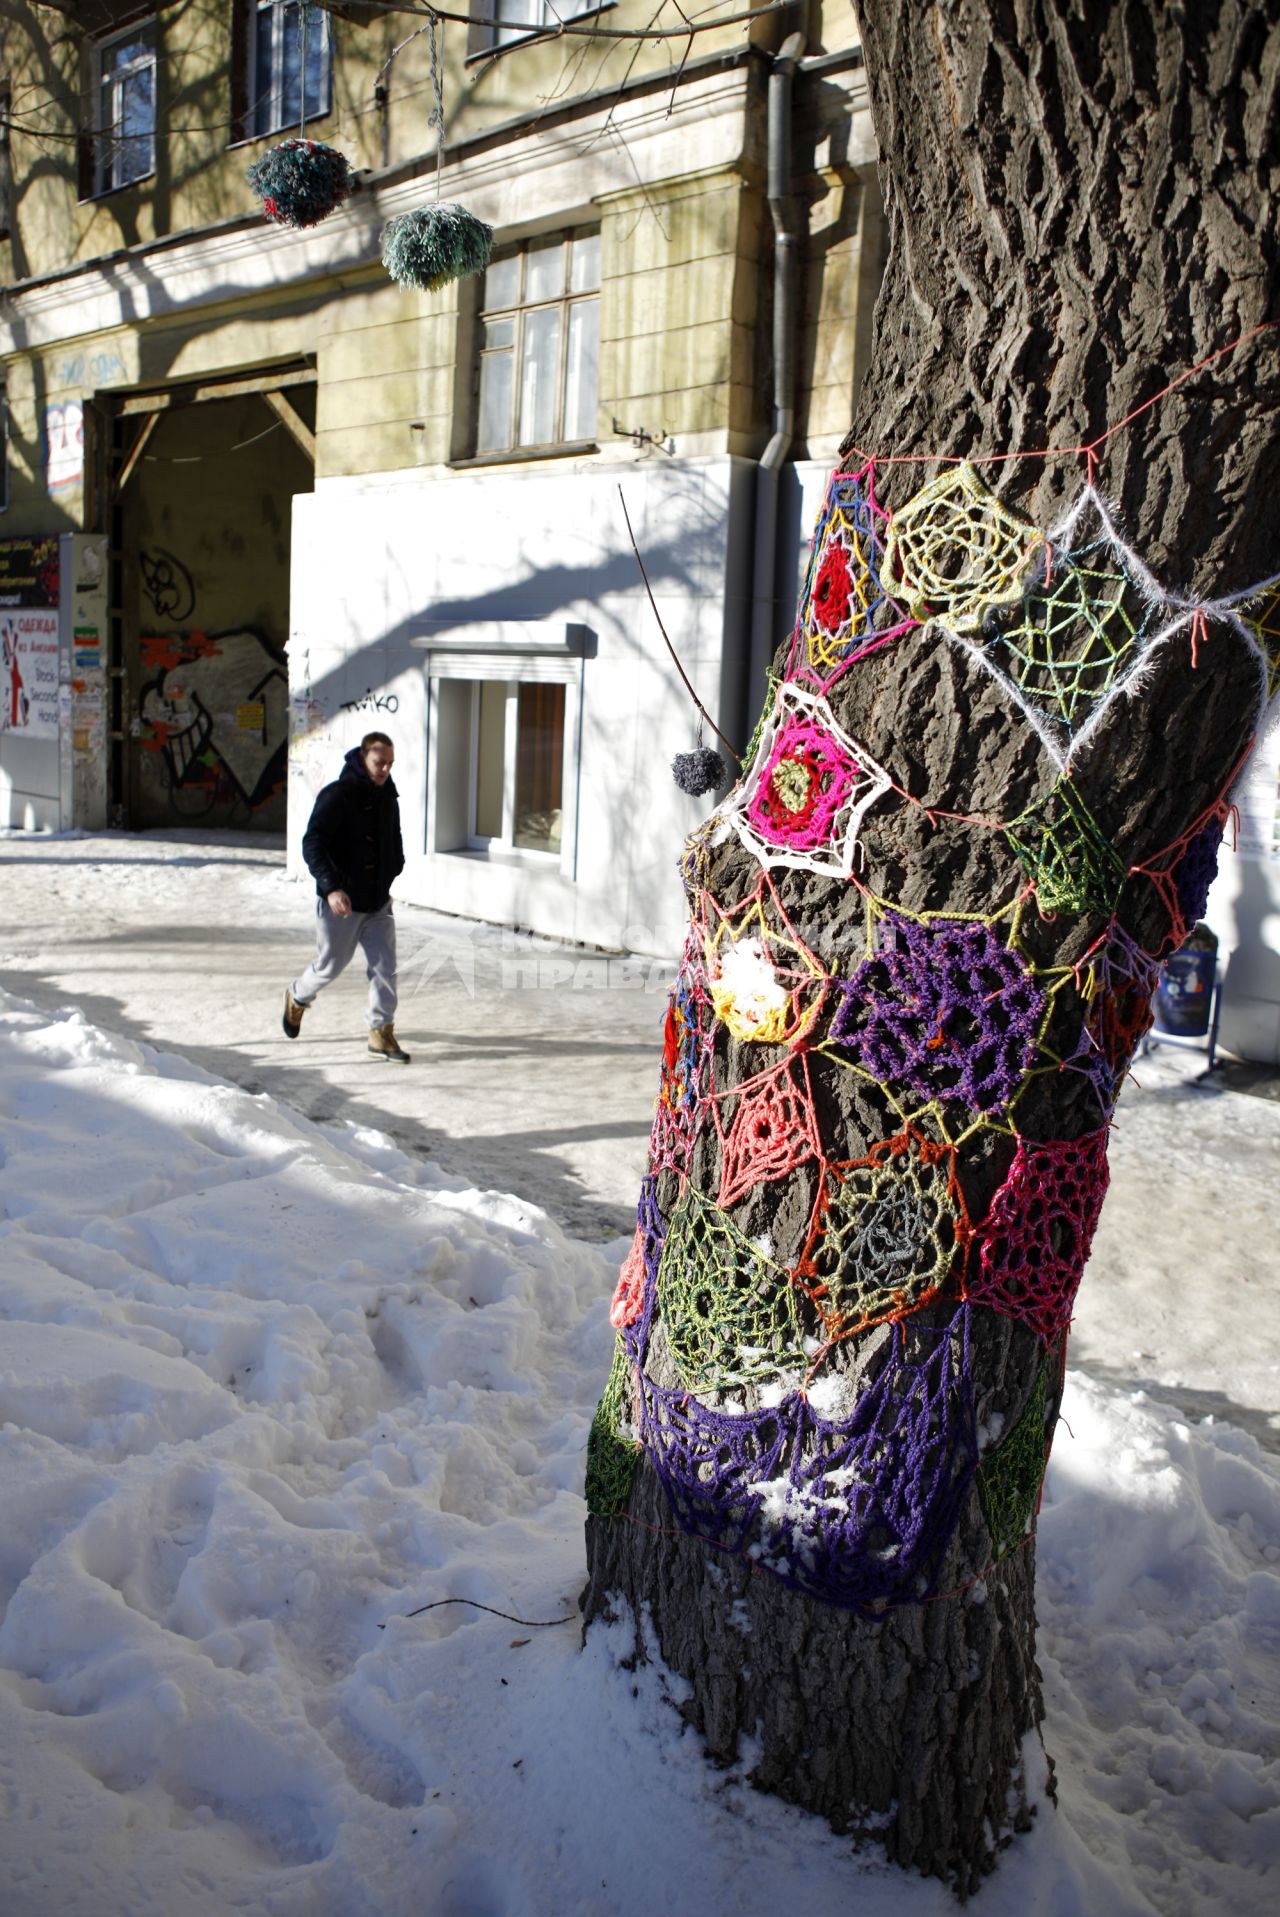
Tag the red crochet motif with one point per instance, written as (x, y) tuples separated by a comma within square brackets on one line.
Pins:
[(628, 1293), (1034, 1244), (772, 1132), (831, 589)]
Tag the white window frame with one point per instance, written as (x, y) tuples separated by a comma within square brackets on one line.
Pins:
[(108, 112), (547, 16), (519, 315), (520, 654), (266, 111)]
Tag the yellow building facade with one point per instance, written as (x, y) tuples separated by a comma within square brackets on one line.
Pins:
[(294, 500)]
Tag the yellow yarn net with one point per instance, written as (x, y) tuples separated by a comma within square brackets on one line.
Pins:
[(953, 551)]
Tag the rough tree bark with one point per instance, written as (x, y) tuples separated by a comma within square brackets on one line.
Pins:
[(1081, 204)]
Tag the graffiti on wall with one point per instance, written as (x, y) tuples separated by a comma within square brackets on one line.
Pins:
[(64, 446), (167, 584), (214, 716), (371, 701)]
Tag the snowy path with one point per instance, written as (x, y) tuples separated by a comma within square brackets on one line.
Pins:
[(534, 1065), (266, 1386)]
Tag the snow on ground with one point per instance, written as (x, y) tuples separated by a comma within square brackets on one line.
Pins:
[(266, 1386)]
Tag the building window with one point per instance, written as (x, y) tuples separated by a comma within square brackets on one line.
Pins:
[(125, 107), (539, 345), (517, 19), (269, 55), (516, 766)]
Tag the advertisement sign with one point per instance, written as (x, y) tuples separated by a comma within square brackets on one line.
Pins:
[(29, 572), (29, 674)]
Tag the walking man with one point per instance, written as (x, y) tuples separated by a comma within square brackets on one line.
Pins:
[(353, 851)]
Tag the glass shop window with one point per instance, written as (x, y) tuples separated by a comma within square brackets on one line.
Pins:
[(517, 766)]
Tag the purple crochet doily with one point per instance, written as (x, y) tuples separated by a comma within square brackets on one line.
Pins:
[(1196, 871), (857, 1514), (944, 1008)]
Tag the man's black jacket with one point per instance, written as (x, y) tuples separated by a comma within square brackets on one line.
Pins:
[(353, 843)]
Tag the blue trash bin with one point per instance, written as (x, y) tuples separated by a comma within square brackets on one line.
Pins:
[(1184, 996)]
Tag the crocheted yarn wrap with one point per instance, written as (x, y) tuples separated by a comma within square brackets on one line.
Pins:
[(858, 1512), (808, 789), (612, 1451), (1069, 860), (1116, 980), (686, 1040), (1195, 872), (433, 245), (1033, 1244), (730, 1313), (953, 551), (300, 182), (943, 1009), (766, 985), (784, 1366), (889, 1234), (650, 1235), (771, 1130), (1078, 628), (1010, 1477), (845, 612)]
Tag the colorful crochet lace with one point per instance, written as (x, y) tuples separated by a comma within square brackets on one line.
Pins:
[(953, 551), (845, 612), (943, 1009), (795, 1314), (807, 790), (1033, 1244), (856, 1511)]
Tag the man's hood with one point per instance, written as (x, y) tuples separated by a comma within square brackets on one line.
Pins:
[(354, 767)]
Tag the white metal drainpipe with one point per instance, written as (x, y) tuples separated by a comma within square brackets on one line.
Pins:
[(786, 243)]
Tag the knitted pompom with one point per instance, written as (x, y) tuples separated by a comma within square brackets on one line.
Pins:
[(435, 244), (300, 182), (700, 771)]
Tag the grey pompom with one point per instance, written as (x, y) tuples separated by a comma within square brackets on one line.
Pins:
[(699, 772)]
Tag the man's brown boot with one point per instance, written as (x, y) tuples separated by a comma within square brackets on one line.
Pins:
[(292, 1020), (382, 1043)]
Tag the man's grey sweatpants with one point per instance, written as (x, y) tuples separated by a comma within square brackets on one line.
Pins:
[(336, 942)]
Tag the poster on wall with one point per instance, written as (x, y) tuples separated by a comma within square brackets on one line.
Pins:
[(64, 446), (29, 673), (29, 572)]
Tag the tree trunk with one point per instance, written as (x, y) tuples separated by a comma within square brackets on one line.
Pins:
[(912, 988)]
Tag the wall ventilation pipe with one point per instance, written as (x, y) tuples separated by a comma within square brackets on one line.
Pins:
[(786, 247)]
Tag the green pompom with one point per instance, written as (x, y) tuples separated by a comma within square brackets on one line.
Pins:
[(434, 245), (300, 182)]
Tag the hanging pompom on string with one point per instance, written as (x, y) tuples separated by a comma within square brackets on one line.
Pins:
[(700, 771), (435, 244), (300, 182)]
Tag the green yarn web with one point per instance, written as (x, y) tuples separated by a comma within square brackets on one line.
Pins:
[(730, 1313), (1009, 1477), (1073, 866), (1071, 643), (611, 1458)]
